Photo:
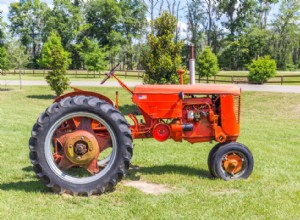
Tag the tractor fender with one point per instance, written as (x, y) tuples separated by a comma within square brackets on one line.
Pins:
[(77, 92)]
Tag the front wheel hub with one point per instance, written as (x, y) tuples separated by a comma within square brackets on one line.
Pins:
[(233, 163)]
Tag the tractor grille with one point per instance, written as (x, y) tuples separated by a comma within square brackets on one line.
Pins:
[(237, 108)]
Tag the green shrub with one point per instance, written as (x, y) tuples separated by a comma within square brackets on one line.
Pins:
[(207, 63), (261, 70)]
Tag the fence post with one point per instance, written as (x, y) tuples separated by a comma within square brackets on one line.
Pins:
[(214, 79), (281, 79), (206, 79), (76, 73), (232, 78), (33, 72)]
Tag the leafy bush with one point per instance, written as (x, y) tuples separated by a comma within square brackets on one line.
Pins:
[(54, 57), (162, 58), (261, 70), (207, 63)]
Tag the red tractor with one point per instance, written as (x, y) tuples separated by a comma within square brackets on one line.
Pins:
[(82, 144)]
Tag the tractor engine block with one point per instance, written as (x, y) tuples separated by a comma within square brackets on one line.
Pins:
[(200, 113)]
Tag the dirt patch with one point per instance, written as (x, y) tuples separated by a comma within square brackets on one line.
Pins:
[(148, 188)]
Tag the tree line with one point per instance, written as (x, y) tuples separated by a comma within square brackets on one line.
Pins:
[(97, 34)]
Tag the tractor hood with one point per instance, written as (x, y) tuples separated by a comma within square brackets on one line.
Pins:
[(188, 89)]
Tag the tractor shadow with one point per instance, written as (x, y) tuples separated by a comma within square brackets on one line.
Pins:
[(41, 97), (26, 186), (5, 90), (135, 172)]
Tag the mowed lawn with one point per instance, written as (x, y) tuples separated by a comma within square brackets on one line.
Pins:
[(270, 127)]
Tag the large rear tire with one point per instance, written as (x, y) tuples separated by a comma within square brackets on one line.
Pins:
[(55, 164)]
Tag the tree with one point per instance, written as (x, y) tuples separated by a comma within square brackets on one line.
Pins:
[(133, 26), (239, 21), (4, 63), (17, 56), (2, 28), (104, 18), (92, 55), (263, 10), (152, 4), (207, 63), (54, 57), (286, 34), (239, 15), (162, 58), (195, 16), (202, 17), (28, 21), (66, 18)]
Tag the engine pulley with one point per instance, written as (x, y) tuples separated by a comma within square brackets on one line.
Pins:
[(161, 132)]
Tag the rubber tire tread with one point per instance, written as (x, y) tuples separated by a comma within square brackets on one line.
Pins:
[(210, 159), (102, 109)]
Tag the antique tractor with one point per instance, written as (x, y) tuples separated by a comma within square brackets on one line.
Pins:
[(82, 144)]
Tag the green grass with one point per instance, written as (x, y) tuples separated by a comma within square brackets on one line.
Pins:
[(270, 128)]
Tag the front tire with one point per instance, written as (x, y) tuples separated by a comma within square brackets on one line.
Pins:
[(233, 161), (54, 157)]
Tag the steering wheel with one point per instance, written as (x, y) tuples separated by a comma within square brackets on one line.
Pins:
[(108, 75)]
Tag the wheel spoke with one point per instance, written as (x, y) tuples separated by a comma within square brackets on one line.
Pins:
[(85, 124)]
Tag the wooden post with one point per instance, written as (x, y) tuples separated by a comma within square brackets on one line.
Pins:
[(206, 79), (232, 79), (281, 79), (214, 79)]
